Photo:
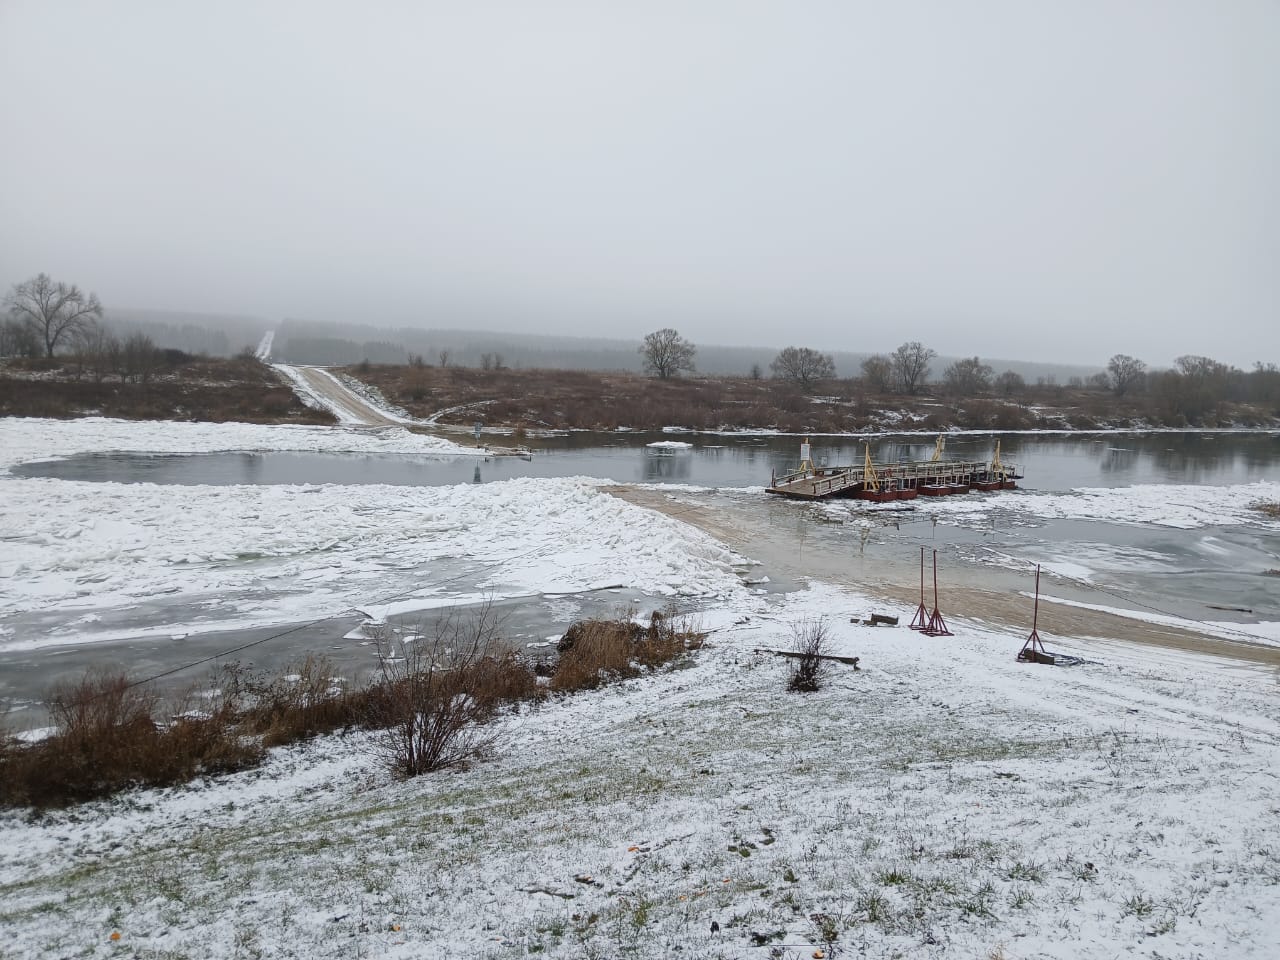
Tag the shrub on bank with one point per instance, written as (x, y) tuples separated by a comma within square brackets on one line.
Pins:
[(433, 704), (110, 734)]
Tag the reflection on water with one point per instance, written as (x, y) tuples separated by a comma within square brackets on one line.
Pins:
[(666, 465), (1050, 462)]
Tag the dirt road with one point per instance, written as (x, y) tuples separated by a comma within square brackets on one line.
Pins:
[(347, 406)]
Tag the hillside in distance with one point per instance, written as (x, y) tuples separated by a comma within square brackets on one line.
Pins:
[(343, 344), (329, 344)]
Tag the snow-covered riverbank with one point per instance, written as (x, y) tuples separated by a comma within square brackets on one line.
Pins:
[(942, 801)]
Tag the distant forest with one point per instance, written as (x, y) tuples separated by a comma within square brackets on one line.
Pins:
[(212, 335), (330, 344)]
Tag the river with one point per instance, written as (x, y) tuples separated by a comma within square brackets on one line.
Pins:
[(1211, 571)]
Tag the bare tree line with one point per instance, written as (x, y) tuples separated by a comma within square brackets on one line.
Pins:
[(1195, 388), (48, 317)]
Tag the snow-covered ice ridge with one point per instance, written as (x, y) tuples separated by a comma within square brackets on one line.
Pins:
[(250, 555), (23, 439)]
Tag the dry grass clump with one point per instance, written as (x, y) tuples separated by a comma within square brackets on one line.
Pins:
[(1268, 508), (109, 734), (594, 652), (307, 700), (436, 717)]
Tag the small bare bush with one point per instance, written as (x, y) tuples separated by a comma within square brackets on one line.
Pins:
[(1268, 508), (309, 699), (439, 693), (808, 668)]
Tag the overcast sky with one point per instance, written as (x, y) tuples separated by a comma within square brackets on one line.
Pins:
[(1029, 180)]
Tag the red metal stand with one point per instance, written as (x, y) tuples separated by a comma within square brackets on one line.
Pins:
[(937, 626), (1033, 650), (921, 619)]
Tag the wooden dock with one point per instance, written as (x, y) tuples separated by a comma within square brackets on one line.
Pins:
[(882, 482)]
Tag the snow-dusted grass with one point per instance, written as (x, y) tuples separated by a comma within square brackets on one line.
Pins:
[(942, 801)]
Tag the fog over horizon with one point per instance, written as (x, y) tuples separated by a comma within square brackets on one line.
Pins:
[(1045, 182)]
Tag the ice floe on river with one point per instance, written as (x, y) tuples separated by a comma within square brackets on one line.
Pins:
[(1184, 506), (26, 439), (255, 555)]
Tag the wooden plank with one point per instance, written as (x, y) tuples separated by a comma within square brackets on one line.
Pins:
[(793, 655)]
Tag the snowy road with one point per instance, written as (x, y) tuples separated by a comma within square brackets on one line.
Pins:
[(263, 352), (319, 385)]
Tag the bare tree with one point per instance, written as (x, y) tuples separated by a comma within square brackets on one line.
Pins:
[(1010, 383), (486, 361), (54, 311), (18, 340), (877, 372), (666, 353), (803, 366), (1204, 368), (86, 345), (1205, 385), (968, 377), (911, 365), (499, 363), (141, 356), (1127, 373), (445, 356), (92, 348), (115, 358), (755, 373)]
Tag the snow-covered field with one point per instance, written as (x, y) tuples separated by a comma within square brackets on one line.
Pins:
[(943, 801)]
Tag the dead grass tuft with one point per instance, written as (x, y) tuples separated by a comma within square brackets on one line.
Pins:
[(1268, 508), (307, 700), (594, 652), (109, 734)]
